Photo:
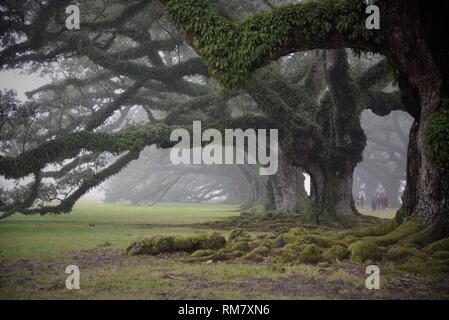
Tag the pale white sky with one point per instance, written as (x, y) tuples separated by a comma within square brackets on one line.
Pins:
[(14, 79)]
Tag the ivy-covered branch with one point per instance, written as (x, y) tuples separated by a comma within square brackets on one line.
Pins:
[(233, 50), (196, 104), (67, 204), (68, 146), (132, 139)]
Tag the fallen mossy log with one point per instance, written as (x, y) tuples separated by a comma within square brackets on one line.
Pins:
[(162, 244)]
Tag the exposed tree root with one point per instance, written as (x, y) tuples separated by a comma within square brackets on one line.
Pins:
[(285, 242)]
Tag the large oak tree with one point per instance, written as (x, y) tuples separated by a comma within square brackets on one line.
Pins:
[(411, 37)]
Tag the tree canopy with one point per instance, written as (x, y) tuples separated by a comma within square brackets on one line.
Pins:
[(127, 78)]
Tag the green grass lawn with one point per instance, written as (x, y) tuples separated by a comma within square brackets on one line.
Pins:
[(93, 224), (384, 214)]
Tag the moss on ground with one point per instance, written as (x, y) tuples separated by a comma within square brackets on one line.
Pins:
[(311, 254), (400, 253), (440, 255), (442, 245), (202, 253), (365, 250), (163, 244), (373, 241), (336, 252), (258, 254), (286, 256), (239, 234), (399, 233)]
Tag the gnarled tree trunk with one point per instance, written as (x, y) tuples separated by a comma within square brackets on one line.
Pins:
[(332, 192), (287, 188), (421, 56)]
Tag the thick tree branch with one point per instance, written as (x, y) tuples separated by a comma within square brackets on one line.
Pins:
[(232, 51)]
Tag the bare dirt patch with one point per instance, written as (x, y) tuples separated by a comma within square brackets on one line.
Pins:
[(41, 277)]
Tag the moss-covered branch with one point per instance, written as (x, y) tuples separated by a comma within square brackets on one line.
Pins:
[(133, 139), (196, 104), (232, 50), (68, 146), (67, 204)]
